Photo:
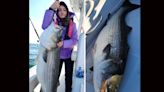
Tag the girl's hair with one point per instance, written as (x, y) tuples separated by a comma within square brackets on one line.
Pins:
[(65, 21), (63, 4)]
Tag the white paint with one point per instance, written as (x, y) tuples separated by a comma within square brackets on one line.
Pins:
[(98, 8)]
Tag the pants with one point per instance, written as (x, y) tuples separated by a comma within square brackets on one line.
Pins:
[(68, 73)]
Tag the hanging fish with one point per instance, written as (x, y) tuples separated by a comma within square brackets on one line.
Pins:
[(48, 58)]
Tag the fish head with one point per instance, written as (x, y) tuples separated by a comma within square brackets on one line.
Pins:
[(112, 83), (102, 71), (59, 30)]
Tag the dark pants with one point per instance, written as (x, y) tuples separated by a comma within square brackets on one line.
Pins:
[(68, 73)]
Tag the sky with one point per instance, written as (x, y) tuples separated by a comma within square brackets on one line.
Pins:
[(37, 9)]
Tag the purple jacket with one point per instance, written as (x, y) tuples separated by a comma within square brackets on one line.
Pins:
[(66, 49)]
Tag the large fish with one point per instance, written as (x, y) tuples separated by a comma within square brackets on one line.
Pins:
[(48, 59), (111, 48), (97, 13)]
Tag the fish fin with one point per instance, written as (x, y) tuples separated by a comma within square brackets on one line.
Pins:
[(129, 4), (129, 28), (107, 50), (91, 68), (45, 55), (128, 8)]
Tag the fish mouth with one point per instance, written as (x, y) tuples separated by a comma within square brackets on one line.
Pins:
[(111, 84)]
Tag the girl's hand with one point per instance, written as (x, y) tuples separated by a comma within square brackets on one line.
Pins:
[(55, 5), (60, 44)]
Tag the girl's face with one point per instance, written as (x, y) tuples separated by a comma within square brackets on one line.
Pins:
[(62, 12)]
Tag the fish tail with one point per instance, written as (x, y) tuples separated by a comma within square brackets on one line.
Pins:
[(129, 4)]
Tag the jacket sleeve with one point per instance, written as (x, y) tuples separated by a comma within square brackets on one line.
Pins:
[(48, 17), (71, 42)]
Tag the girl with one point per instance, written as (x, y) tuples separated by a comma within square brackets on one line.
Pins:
[(69, 37)]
